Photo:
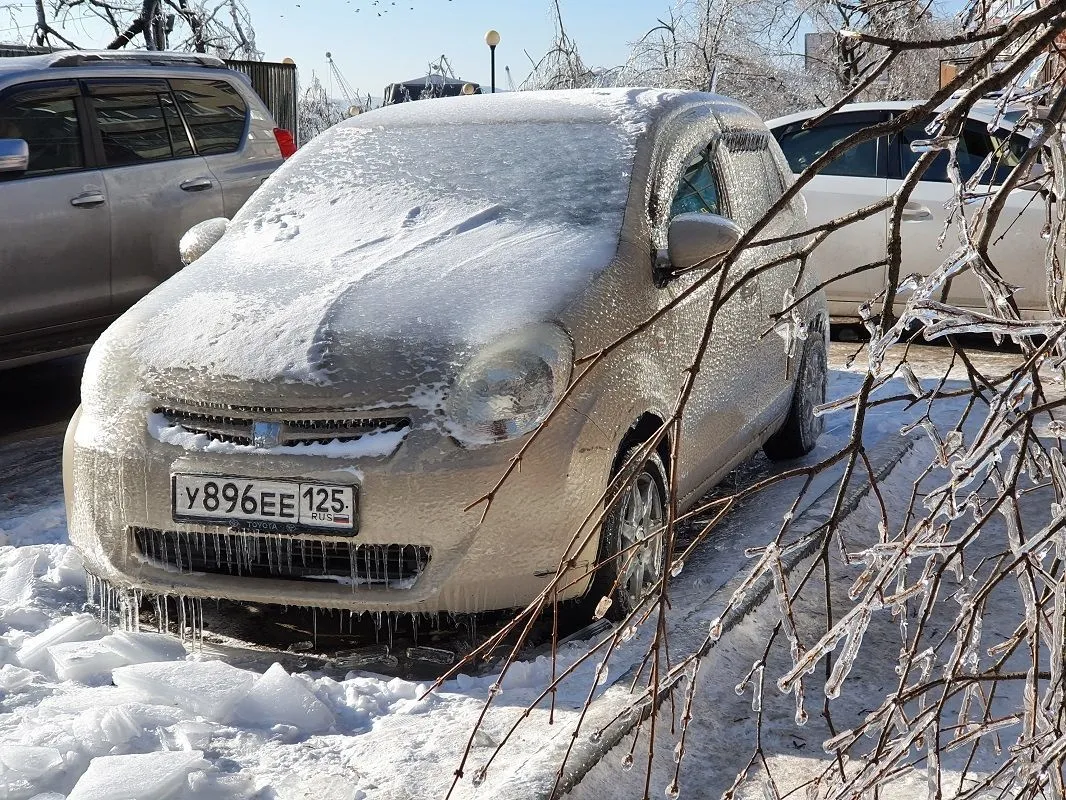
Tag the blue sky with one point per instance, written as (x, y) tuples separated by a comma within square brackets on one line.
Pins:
[(396, 41), (372, 50)]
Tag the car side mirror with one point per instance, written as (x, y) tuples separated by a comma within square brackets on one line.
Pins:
[(698, 241), (14, 155), (200, 238)]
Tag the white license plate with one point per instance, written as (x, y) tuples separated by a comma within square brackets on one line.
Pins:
[(284, 504)]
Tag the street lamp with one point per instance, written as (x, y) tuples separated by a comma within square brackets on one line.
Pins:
[(492, 38)]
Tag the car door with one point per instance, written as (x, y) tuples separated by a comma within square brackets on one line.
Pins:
[(55, 222), (719, 420), (854, 180), (217, 117), (1017, 244), (157, 185)]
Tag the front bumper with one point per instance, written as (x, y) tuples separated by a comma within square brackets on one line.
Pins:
[(118, 489)]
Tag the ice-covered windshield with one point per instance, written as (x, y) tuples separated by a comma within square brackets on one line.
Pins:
[(553, 173)]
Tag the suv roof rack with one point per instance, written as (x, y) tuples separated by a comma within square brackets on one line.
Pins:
[(82, 58)]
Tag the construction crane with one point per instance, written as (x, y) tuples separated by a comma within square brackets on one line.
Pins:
[(351, 96), (510, 80)]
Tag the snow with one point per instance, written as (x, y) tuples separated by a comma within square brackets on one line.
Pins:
[(377, 443), (86, 712)]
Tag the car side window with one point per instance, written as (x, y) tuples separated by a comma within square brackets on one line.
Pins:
[(139, 127), (975, 145), (215, 113), (802, 147), (698, 190), (49, 124)]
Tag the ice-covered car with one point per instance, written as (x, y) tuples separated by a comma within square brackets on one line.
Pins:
[(303, 415)]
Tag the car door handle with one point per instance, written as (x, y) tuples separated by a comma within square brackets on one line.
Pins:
[(197, 184), (88, 200), (915, 212)]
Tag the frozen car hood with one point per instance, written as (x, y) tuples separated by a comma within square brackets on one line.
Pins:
[(389, 246)]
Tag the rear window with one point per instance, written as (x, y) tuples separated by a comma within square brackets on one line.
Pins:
[(215, 113)]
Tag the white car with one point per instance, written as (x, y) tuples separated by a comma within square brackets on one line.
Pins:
[(875, 169)]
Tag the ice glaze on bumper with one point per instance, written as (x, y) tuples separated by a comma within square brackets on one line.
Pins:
[(413, 497)]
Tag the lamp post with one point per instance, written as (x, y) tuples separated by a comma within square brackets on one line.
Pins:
[(492, 38)]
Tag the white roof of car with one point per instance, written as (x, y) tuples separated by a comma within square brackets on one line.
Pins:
[(799, 116), (982, 110)]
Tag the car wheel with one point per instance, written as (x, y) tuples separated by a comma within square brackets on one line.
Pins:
[(802, 428), (632, 538)]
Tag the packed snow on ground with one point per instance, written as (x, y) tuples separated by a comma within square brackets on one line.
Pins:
[(89, 712)]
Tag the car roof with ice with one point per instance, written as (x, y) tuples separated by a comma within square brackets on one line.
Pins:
[(634, 109)]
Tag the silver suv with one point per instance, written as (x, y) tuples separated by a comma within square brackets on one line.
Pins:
[(106, 159)]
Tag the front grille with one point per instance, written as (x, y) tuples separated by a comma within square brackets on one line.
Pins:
[(395, 566), (235, 426)]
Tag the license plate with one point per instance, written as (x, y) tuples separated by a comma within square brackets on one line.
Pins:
[(281, 504)]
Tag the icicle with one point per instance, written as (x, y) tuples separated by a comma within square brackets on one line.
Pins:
[(801, 713), (846, 659), (914, 386), (756, 685), (601, 673), (602, 607)]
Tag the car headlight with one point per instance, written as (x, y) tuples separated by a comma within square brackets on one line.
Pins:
[(509, 387)]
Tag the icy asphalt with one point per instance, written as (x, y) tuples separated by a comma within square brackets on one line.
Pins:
[(90, 713)]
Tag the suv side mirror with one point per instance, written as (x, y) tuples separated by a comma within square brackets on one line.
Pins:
[(698, 241), (14, 155), (200, 238)]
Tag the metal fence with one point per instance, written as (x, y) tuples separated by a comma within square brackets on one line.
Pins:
[(274, 82)]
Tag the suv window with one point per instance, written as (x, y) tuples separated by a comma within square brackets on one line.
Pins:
[(698, 190), (141, 127), (975, 145), (49, 124), (802, 147), (215, 113)]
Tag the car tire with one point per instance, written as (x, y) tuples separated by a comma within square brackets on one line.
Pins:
[(638, 514), (800, 432)]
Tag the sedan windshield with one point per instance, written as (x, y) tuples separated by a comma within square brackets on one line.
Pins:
[(548, 173)]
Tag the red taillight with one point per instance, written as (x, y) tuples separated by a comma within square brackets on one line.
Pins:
[(285, 142)]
